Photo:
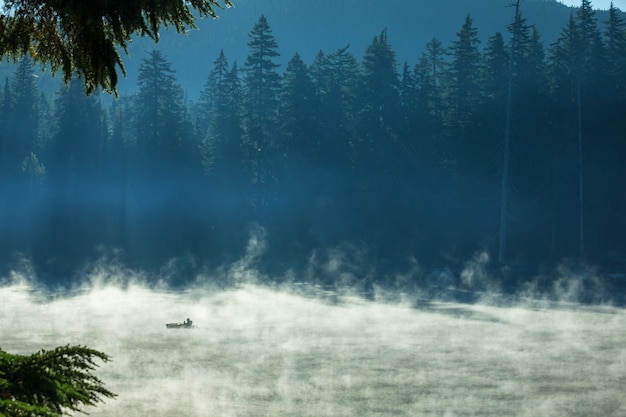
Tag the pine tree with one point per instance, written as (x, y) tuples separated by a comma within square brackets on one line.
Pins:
[(576, 57), (563, 75), (563, 66), (412, 109), (593, 61), (159, 121), (429, 73), (6, 112), (530, 169), (212, 100), (495, 83), (531, 82), (613, 164), (587, 29), (75, 168), (379, 110), (22, 174), (117, 157), (262, 86), (615, 39), (78, 141), (167, 160), (505, 85), (338, 86), (463, 97), (223, 147), (379, 97), (213, 92), (298, 115), (414, 129), (463, 78), (23, 133), (6, 176), (614, 78), (319, 74)]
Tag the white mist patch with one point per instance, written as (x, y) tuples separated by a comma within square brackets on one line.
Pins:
[(258, 351)]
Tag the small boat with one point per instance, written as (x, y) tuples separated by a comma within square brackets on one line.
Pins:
[(187, 324)]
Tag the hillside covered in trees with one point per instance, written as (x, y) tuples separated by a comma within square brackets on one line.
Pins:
[(387, 162)]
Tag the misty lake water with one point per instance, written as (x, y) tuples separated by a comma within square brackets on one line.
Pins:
[(264, 352)]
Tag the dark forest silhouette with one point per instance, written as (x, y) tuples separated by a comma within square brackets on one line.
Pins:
[(394, 160)]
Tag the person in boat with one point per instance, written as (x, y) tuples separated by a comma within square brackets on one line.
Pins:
[(188, 322)]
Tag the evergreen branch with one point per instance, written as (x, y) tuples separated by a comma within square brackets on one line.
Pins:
[(83, 36), (48, 383)]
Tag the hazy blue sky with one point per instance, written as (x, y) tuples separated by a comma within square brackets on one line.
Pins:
[(598, 4)]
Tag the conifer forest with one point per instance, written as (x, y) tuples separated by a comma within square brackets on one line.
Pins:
[(514, 147)]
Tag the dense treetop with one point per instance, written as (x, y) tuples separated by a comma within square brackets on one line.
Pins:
[(83, 36)]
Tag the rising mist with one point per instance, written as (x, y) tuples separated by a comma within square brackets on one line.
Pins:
[(301, 351)]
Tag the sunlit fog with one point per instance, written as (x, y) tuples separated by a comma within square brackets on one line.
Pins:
[(304, 352)]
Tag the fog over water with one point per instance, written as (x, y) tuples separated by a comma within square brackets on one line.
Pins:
[(300, 351)]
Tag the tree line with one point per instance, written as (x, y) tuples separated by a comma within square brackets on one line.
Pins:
[(396, 160)]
